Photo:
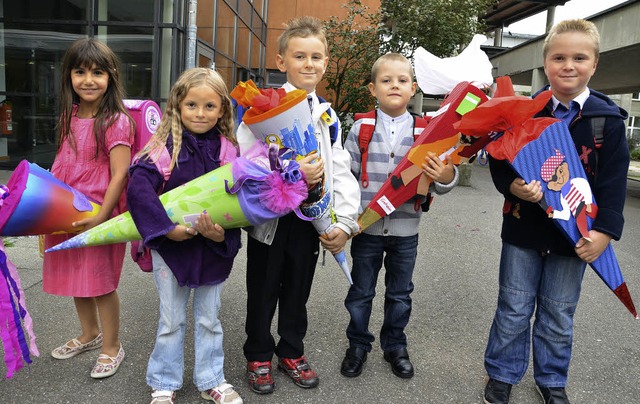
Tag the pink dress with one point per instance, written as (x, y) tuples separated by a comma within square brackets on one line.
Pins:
[(89, 271)]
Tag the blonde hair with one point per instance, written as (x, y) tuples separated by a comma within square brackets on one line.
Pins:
[(171, 122), (302, 27), (389, 57), (578, 25)]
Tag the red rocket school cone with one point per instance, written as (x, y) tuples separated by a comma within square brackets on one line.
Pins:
[(440, 137), (35, 202)]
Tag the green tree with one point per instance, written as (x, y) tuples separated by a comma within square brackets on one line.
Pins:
[(354, 44), (443, 27)]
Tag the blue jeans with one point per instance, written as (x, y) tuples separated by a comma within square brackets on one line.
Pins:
[(550, 285), (166, 364), (399, 255)]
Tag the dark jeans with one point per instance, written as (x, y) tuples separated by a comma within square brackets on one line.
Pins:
[(399, 257)]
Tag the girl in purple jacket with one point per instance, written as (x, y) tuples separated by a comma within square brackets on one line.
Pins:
[(197, 131)]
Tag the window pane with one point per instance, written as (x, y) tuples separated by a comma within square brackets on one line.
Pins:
[(244, 11), (125, 10), (257, 25), (276, 78), (170, 59), (225, 29), (224, 66), (204, 61), (134, 48), (256, 49), (45, 9), (257, 4), (168, 9), (30, 73)]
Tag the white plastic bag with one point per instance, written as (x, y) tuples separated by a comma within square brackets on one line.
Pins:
[(440, 75)]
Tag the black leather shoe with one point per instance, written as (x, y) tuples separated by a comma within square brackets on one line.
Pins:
[(553, 395), (353, 362), (400, 364), (497, 392)]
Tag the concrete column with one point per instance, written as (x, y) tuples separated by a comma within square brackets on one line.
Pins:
[(497, 40), (551, 15), (538, 80), (417, 103)]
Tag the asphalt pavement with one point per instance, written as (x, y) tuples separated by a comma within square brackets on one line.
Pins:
[(453, 303)]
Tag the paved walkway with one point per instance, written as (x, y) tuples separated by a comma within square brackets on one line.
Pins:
[(453, 303)]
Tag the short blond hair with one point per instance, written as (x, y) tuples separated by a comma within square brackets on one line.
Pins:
[(578, 25), (390, 57), (302, 27)]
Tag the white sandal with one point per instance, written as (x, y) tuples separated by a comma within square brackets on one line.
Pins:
[(75, 347)]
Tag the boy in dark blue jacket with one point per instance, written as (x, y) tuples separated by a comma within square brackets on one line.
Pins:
[(539, 269)]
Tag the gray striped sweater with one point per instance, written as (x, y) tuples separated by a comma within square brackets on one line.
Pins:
[(383, 159)]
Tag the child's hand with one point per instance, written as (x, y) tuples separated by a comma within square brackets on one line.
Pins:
[(313, 172), (208, 229), (181, 233), (87, 223), (590, 251), (335, 240), (438, 171), (531, 192)]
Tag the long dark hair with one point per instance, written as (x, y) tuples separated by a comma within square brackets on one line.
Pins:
[(86, 53)]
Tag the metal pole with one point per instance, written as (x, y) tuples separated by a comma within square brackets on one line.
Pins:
[(191, 34)]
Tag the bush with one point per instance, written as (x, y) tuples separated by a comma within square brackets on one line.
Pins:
[(635, 154)]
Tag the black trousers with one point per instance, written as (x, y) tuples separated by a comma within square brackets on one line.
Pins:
[(280, 275)]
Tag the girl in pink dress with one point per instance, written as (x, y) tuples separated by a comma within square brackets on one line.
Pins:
[(95, 134)]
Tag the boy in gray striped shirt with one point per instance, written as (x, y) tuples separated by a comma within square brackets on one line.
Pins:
[(393, 239)]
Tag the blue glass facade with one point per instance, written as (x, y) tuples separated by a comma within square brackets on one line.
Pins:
[(149, 36)]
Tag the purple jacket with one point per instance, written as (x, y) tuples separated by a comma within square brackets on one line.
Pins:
[(194, 262)]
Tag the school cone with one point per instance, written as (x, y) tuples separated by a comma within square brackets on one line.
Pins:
[(276, 117), (238, 194), (35, 202), (439, 137), (526, 144)]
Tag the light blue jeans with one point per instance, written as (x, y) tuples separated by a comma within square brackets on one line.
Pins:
[(550, 285), (166, 364)]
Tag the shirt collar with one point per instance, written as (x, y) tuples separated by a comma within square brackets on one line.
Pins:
[(290, 87), (386, 119), (580, 99)]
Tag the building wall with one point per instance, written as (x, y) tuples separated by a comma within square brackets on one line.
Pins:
[(281, 11)]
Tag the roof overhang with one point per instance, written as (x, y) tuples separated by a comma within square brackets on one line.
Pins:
[(505, 12)]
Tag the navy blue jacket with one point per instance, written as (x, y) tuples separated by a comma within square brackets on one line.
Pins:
[(527, 225)]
